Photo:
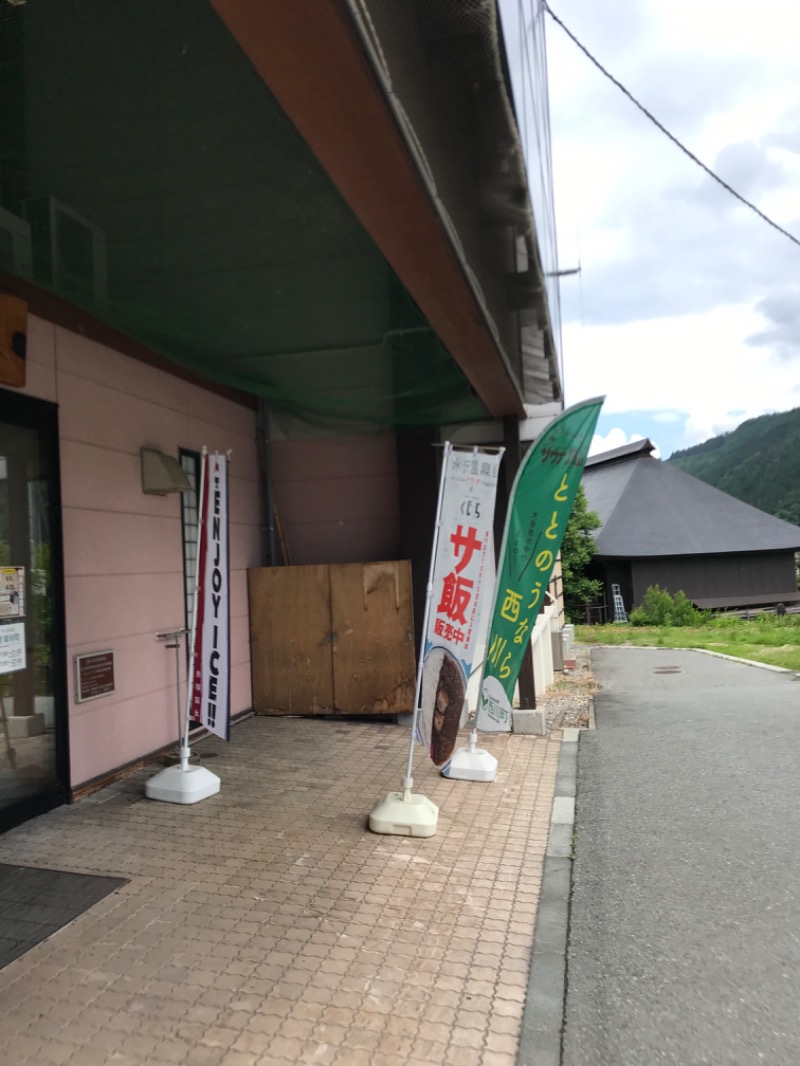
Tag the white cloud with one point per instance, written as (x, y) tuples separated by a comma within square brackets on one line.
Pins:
[(667, 416), (616, 438), (686, 304), (698, 366)]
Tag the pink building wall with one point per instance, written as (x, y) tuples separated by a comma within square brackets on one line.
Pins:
[(123, 556), (338, 498)]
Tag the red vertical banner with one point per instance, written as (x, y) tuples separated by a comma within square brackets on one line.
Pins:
[(210, 692)]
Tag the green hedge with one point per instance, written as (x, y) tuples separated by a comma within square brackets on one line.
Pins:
[(659, 608)]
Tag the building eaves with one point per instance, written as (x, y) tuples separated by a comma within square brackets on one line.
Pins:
[(625, 452), (330, 69)]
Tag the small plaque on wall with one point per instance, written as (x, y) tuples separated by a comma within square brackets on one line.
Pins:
[(94, 675)]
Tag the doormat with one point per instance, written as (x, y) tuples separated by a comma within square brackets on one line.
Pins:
[(35, 903)]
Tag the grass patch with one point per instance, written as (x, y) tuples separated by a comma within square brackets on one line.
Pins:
[(764, 639)]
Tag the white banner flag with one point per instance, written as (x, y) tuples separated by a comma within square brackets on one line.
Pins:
[(210, 702), (463, 555)]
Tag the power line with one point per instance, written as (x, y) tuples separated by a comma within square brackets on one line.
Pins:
[(665, 131)]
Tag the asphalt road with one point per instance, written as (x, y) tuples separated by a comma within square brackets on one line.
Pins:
[(684, 940)]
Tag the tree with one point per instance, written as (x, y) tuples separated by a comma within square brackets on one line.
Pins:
[(789, 509), (577, 549)]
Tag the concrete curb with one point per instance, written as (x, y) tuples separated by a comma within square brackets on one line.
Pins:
[(543, 1019), (705, 651), (746, 662)]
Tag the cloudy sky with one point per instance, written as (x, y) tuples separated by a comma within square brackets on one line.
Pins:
[(686, 313)]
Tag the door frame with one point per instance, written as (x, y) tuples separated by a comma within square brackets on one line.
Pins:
[(27, 412)]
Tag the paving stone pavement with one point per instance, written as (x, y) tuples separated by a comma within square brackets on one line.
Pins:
[(266, 926)]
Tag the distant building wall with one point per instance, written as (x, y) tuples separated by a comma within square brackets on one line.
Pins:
[(613, 572), (718, 577)]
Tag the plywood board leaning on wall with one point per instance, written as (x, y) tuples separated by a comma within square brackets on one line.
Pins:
[(373, 638), (332, 639), (290, 636)]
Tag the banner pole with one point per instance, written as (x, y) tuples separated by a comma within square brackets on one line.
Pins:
[(407, 813), (178, 684), (185, 752), (473, 737), (472, 763), (409, 780), (185, 783)]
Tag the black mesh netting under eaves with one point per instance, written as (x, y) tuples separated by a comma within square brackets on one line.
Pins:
[(147, 175)]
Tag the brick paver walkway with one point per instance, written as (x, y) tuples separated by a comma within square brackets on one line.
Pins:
[(267, 926)]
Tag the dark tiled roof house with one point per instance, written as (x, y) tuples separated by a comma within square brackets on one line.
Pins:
[(662, 526)]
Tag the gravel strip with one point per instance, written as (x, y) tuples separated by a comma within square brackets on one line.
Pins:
[(569, 701)]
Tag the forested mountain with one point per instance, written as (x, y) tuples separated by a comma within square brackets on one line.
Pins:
[(759, 462)]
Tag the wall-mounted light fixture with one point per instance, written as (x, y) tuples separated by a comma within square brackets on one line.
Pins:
[(162, 474)]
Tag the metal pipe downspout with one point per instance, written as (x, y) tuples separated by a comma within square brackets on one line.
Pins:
[(266, 484)]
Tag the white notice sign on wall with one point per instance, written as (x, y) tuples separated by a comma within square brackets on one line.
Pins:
[(12, 647), (12, 591)]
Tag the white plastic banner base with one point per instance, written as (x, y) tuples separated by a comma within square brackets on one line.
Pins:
[(175, 785), (405, 814), (471, 763), (474, 764)]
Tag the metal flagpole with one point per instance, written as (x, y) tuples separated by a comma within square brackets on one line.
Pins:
[(409, 780), (471, 763), (185, 783), (178, 634), (407, 813)]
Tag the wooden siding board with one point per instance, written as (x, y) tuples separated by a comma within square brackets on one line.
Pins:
[(290, 637), (711, 577)]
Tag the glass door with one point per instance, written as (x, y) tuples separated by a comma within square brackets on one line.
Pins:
[(33, 751)]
